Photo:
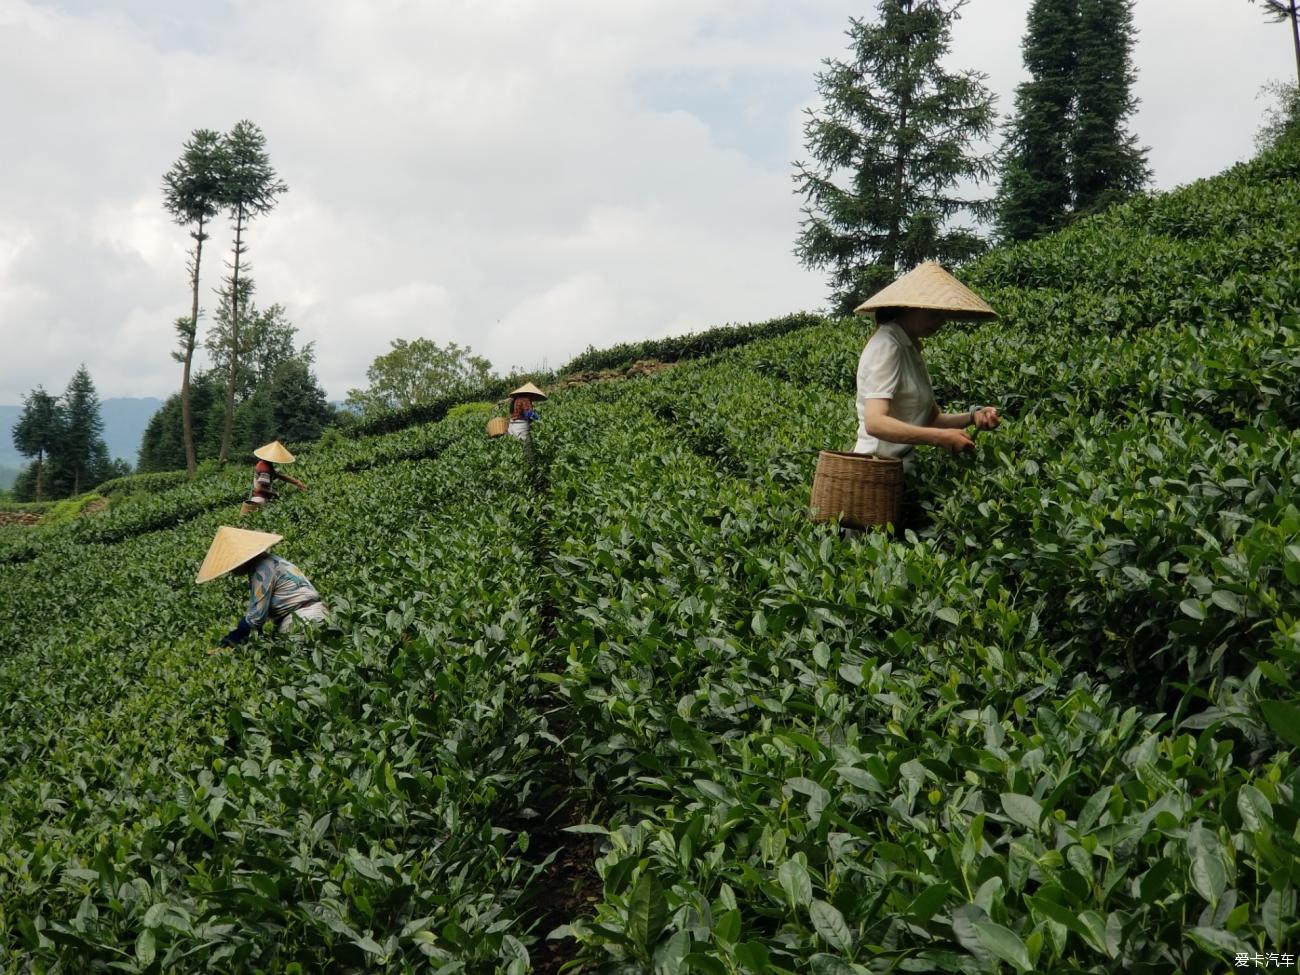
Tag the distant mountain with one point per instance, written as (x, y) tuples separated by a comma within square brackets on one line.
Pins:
[(124, 423)]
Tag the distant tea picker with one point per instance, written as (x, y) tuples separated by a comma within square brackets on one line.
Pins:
[(278, 590), (523, 410), (265, 475), (896, 405)]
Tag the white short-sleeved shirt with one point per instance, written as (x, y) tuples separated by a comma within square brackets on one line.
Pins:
[(891, 368)]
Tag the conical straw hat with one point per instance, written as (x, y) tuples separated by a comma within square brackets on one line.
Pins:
[(273, 453), (528, 389), (928, 285), (231, 548)]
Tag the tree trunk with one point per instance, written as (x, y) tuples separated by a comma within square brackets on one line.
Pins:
[(1295, 34), (187, 423), (228, 430), (900, 156)]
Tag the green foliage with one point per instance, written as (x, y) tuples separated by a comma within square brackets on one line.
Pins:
[(1067, 152), (278, 396), (692, 345), (471, 409), (38, 433), (1054, 728), (892, 141), (673, 349), (62, 512), (1281, 117), (64, 435), (419, 373)]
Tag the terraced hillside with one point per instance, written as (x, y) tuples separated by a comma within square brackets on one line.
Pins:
[(619, 692)]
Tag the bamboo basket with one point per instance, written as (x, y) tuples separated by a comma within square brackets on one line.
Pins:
[(497, 426), (861, 490)]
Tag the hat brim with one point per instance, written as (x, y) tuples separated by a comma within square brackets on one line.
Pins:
[(274, 453), (930, 287), (231, 547)]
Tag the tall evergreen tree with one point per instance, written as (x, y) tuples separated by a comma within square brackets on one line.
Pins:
[(1066, 148), (192, 195), (82, 453), (1035, 191), (891, 147), (249, 189), (38, 432), (1106, 163), (299, 410)]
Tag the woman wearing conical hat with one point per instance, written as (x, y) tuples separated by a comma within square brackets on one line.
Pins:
[(265, 475), (278, 590), (896, 405), (522, 410)]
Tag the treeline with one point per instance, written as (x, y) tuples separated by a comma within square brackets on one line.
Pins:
[(64, 437), (277, 395), (896, 159)]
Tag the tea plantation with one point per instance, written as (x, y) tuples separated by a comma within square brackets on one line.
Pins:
[(613, 702)]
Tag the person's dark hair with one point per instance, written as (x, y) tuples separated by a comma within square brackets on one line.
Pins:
[(887, 314)]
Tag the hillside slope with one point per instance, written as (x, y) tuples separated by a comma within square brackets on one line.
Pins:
[(1053, 731)]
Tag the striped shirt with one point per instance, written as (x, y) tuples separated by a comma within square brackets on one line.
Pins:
[(276, 588)]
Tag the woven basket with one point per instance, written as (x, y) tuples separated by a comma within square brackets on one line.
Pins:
[(861, 490), (497, 426)]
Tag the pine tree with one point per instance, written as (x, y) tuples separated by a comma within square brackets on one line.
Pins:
[(82, 454), (1067, 152), (1106, 163), (1035, 191), (38, 432), (891, 146), (299, 410)]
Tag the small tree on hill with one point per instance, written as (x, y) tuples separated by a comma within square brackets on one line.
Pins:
[(418, 372), (299, 410), (82, 453), (891, 147), (38, 432)]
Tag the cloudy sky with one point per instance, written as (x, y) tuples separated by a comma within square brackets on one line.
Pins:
[(523, 176)]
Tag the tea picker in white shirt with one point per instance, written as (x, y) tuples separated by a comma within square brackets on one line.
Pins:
[(896, 405)]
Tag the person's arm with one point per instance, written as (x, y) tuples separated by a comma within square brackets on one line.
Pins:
[(292, 480), (238, 635), (882, 426), (981, 417), (260, 585)]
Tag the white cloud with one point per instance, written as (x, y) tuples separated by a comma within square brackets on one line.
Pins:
[(522, 176)]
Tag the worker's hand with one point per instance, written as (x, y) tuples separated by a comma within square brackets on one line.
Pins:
[(954, 441), (213, 651), (986, 418), (301, 486)]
